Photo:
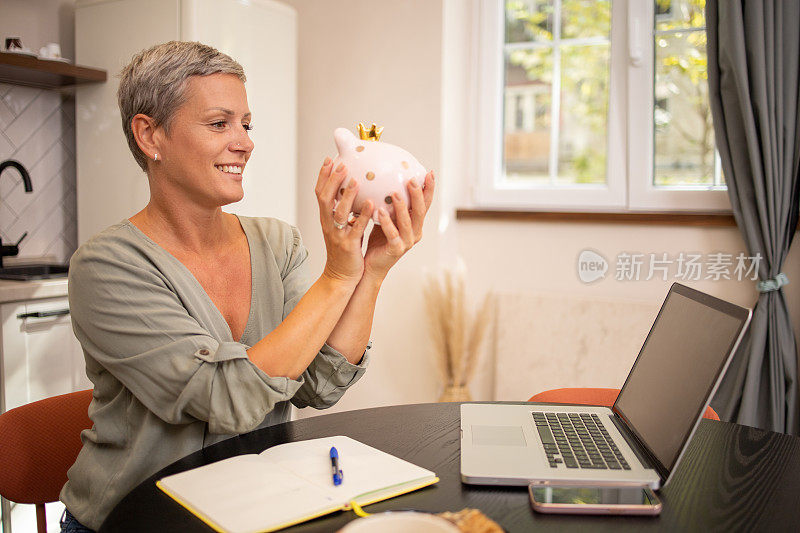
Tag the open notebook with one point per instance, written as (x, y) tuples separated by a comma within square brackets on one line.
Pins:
[(291, 483)]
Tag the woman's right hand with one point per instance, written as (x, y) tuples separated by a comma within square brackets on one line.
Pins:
[(345, 261)]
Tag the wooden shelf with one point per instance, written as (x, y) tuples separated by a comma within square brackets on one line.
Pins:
[(18, 69)]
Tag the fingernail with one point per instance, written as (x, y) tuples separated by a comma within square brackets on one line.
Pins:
[(352, 184), (383, 211), (414, 183), (340, 167), (326, 162)]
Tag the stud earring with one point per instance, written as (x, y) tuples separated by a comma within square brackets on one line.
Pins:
[(155, 157)]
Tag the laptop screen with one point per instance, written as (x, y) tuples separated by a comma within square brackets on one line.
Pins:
[(677, 368)]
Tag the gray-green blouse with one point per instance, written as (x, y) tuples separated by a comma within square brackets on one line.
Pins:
[(168, 377)]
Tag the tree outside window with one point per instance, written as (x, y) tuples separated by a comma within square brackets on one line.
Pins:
[(557, 64)]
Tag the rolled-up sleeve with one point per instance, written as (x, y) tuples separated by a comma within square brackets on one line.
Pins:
[(330, 374), (132, 325)]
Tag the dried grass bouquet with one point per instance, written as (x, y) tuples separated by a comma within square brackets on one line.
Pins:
[(457, 336)]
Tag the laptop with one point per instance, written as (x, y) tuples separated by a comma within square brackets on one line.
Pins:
[(641, 439)]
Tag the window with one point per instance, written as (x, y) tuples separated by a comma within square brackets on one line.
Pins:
[(596, 104)]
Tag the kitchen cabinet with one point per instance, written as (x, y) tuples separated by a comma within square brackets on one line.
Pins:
[(40, 355)]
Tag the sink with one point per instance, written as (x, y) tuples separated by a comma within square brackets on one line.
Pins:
[(27, 272)]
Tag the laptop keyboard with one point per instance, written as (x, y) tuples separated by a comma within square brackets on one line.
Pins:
[(578, 441)]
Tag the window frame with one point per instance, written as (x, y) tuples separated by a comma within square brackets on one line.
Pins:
[(629, 165), (641, 134)]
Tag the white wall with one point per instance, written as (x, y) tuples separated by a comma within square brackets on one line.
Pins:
[(407, 65)]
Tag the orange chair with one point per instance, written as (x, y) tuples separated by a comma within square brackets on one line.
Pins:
[(590, 396), (38, 443)]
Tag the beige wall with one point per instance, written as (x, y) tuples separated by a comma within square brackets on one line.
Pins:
[(407, 66), (362, 61), (541, 258)]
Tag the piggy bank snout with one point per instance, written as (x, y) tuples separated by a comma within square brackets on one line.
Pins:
[(344, 139)]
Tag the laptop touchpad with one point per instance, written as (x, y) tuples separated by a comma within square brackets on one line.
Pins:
[(497, 436)]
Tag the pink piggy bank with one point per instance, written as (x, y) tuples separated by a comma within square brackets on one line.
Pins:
[(380, 169)]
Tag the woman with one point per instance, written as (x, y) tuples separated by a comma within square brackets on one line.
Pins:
[(196, 324)]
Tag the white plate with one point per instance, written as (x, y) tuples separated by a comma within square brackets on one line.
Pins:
[(59, 59), (400, 522), (21, 52)]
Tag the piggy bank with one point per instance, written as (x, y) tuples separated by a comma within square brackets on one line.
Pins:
[(380, 169)]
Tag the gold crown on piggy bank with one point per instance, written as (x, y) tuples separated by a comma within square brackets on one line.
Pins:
[(371, 134)]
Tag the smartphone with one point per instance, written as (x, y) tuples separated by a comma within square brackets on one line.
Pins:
[(594, 500)]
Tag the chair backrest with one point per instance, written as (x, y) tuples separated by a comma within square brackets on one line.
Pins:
[(39, 441), (591, 396)]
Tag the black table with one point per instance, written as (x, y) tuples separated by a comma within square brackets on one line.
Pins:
[(733, 478)]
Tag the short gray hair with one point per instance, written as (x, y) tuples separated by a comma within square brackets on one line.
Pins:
[(154, 83)]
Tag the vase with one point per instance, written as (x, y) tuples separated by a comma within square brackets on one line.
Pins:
[(455, 393)]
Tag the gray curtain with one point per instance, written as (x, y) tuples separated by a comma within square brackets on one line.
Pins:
[(753, 63)]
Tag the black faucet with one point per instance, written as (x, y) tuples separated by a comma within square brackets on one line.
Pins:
[(6, 250)]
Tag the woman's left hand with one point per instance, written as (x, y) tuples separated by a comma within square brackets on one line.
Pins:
[(390, 241)]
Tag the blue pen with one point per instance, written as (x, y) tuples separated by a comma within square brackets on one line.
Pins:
[(337, 472)]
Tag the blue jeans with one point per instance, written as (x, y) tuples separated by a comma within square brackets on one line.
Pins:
[(70, 525)]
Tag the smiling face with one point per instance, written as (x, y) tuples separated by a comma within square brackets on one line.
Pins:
[(208, 144)]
